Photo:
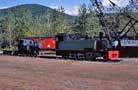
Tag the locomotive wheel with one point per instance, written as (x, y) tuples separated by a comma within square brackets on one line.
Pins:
[(90, 56), (105, 58), (74, 56), (65, 56), (81, 56), (34, 53), (87, 56), (71, 55)]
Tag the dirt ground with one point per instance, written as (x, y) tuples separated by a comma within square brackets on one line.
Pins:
[(26, 73)]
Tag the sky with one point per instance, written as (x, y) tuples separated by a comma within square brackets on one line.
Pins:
[(71, 6), (120, 3)]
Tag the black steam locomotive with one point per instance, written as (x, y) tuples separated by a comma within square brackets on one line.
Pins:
[(78, 46)]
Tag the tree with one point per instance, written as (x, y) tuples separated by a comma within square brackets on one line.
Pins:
[(52, 22), (92, 26), (22, 21), (63, 25), (23, 24), (7, 27), (80, 23)]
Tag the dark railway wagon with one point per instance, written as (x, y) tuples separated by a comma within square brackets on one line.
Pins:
[(128, 47), (32, 46)]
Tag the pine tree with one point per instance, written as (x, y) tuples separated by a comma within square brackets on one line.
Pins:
[(80, 23), (7, 27), (23, 24), (92, 25), (63, 25)]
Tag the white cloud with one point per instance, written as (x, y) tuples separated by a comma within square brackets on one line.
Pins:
[(71, 11), (54, 7), (3, 7), (120, 3)]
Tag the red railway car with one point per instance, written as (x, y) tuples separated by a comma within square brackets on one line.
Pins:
[(47, 43)]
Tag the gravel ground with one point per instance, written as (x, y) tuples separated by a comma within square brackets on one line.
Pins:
[(26, 73)]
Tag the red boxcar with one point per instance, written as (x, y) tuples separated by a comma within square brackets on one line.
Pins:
[(47, 43)]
